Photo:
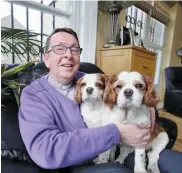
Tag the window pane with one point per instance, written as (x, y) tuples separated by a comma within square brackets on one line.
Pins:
[(158, 65), (34, 20), (47, 23), (135, 19), (61, 22), (5, 14), (44, 39), (19, 17), (5, 9), (156, 32)]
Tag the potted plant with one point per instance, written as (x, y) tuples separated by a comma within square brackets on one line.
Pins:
[(18, 42), (11, 84)]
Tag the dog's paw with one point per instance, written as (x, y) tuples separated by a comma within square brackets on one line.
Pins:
[(121, 161), (141, 171), (153, 168), (101, 161)]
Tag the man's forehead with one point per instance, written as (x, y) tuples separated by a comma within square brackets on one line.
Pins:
[(63, 38)]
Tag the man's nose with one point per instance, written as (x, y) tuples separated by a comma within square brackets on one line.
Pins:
[(68, 53), (89, 90), (128, 92)]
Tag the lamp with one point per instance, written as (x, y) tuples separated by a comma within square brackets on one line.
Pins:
[(114, 11), (179, 53), (114, 8)]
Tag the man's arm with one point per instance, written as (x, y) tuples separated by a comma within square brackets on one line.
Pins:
[(49, 147)]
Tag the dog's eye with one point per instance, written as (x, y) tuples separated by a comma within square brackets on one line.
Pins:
[(119, 86), (98, 85), (83, 84), (138, 86)]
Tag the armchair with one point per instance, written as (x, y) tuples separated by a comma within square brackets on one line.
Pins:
[(173, 92)]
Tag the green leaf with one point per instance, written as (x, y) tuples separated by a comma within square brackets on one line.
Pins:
[(3, 68), (16, 41), (16, 69), (5, 91)]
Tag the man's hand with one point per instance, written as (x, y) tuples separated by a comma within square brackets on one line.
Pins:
[(134, 135)]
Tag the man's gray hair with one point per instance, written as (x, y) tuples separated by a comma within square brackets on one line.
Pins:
[(67, 30)]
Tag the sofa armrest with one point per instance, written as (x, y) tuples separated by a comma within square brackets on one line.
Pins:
[(171, 128)]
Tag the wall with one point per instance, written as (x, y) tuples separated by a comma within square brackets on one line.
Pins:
[(177, 41), (103, 29)]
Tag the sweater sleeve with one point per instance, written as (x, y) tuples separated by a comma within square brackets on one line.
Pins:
[(51, 148)]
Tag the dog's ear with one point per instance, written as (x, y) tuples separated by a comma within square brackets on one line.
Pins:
[(78, 93), (151, 99), (104, 78), (109, 94)]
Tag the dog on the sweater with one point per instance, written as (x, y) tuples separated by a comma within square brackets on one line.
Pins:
[(135, 93), (90, 91)]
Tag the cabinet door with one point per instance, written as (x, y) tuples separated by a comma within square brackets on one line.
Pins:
[(107, 65), (121, 63), (115, 61)]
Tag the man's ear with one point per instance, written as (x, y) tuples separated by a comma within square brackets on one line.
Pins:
[(46, 60)]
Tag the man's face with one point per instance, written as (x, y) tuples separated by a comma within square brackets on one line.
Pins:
[(62, 67)]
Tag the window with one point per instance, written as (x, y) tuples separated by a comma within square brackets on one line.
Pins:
[(27, 16), (42, 16), (156, 32), (135, 19), (151, 31)]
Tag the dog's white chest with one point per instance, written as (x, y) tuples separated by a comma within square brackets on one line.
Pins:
[(92, 114), (116, 115), (138, 115)]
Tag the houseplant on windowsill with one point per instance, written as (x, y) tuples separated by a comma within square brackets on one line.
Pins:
[(8, 84), (17, 42)]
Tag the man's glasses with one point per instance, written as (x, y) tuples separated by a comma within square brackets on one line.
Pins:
[(59, 50)]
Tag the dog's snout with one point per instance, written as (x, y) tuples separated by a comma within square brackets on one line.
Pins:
[(128, 92), (89, 90)]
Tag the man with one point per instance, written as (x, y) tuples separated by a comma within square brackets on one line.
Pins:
[(51, 125)]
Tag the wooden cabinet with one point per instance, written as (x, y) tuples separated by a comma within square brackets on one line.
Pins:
[(129, 58)]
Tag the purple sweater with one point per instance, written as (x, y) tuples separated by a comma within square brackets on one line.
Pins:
[(53, 130)]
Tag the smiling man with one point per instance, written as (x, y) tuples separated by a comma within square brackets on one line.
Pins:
[(62, 56)]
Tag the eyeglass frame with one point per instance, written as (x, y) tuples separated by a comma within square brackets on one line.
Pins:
[(52, 49)]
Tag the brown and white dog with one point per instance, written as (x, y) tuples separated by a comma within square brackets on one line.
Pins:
[(136, 94), (90, 91)]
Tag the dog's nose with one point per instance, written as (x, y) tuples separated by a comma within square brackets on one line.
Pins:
[(128, 92), (89, 90)]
